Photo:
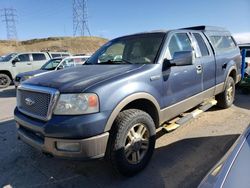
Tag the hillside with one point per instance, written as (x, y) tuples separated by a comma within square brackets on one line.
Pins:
[(75, 45)]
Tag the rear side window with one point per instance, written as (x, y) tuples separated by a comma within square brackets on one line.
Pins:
[(38, 57), (55, 55), (65, 55), (179, 42), (222, 42), (24, 57), (202, 45)]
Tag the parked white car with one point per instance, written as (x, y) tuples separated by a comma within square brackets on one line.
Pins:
[(52, 65)]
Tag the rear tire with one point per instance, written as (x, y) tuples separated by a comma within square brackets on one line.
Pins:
[(132, 142), (226, 99), (4, 80)]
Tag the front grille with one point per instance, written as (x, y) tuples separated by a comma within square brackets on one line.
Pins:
[(36, 101)]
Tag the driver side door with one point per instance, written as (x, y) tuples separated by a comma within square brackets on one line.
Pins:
[(181, 83), (23, 64)]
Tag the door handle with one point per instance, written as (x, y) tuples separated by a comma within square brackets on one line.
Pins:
[(28, 63), (199, 69)]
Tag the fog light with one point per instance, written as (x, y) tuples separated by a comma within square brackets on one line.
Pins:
[(68, 146)]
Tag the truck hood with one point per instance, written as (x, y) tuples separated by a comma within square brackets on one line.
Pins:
[(77, 79), (33, 73)]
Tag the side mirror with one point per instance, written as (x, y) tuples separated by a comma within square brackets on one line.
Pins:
[(15, 60), (60, 67), (182, 58)]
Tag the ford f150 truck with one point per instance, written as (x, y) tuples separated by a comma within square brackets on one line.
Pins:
[(113, 104)]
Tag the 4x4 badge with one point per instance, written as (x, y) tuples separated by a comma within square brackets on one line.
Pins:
[(29, 102)]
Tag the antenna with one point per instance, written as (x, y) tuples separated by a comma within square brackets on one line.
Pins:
[(80, 18), (9, 17)]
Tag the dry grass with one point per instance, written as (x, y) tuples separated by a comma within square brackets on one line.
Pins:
[(79, 45)]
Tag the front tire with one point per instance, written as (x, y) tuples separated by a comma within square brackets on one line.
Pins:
[(133, 141), (226, 99), (4, 80)]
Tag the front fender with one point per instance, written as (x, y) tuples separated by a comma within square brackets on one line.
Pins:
[(127, 100)]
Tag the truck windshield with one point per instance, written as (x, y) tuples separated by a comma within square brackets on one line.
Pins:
[(135, 49), (8, 57), (51, 64)]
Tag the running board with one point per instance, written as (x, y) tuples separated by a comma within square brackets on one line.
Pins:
[(187, 117)]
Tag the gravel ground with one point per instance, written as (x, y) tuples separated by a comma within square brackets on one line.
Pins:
[(181, 158)]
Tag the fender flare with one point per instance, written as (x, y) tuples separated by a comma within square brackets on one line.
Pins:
[(228, 73), (127, 100)]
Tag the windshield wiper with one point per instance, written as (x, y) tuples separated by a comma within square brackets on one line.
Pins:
[(123, 61)]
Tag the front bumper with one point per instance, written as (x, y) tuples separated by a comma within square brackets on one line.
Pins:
[(86, 130), (90, 148)]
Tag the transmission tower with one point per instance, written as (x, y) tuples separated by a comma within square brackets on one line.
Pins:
[(9, 16), (80, 18)]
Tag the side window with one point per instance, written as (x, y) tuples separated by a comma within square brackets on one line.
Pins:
[(248, 53), (222, 42), (55, 55), (202, 45), (68, 63), (24, 57), (65, 55), (179, 42), (38, 57)]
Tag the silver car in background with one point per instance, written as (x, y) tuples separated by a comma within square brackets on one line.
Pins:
[(233, 170)]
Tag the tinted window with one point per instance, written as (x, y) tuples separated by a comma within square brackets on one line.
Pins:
[(24, 57), (65, 55), (222, 42), (55, 55), (179, 42), (202, 45), (248, 54), (38, 57)]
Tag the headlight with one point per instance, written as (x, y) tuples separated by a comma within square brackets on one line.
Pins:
[(26, 78), (82, 103)]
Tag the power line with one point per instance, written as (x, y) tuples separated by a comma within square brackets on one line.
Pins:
[(9, 16), (80, 18)]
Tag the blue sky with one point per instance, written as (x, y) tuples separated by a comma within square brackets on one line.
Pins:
[(112, 18)]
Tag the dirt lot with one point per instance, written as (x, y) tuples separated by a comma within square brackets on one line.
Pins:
[(181, 158)]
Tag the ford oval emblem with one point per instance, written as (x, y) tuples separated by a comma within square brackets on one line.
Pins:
[(29, 102)]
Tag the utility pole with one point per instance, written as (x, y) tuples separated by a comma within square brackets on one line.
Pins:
[(80, 18), (9, 16)]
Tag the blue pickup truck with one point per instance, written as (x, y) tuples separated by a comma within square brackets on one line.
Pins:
[(112, 105)]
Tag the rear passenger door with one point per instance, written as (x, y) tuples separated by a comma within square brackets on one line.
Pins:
[(226, 55), (206, 59), (181, 82), (38, 60)]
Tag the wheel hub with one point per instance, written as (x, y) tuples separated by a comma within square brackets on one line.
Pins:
[(229, 93), (3, 81), (136, 143)]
